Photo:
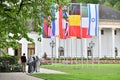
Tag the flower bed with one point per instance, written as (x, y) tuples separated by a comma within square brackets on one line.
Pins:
[(80, 61)]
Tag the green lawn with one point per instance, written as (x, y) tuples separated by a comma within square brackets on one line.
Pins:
[(83, 72)]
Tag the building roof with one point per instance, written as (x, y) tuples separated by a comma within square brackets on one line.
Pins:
[(108, 13)]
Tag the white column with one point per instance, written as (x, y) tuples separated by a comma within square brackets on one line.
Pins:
[(56, 47), (99, 44), (113, 43), (85, 48)]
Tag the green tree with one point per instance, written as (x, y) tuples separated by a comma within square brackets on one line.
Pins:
[(107, 4), (110, 3), (86, 1), (114, 4), (117, 6), (14, 16)]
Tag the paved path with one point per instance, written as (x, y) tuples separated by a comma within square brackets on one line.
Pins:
[(47, 71), (17, 76), (26, 76)]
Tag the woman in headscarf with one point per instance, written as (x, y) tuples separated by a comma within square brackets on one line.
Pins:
[(30, 64), (37, 64)]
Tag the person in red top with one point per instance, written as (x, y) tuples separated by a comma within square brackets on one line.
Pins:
[(23, 60)]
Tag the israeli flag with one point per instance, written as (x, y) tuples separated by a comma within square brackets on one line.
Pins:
[(93, 19)]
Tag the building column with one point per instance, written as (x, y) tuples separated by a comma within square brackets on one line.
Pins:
[(57, 47), (85, 48), (99, 44), (113, 43)]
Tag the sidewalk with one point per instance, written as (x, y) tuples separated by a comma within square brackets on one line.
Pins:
[(17, 76), (48, 71), (26, 76)]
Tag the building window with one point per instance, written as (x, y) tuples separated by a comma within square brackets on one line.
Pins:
[(89, 51), (116, 52), (115, 32), (31, 49), (102, 32), (61, 51), (17, 52)]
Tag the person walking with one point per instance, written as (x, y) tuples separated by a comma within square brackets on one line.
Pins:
[(23, 60), (34, 63), (37, 64), (30, 64)]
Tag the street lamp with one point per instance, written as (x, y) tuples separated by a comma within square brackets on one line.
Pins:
[(91, 45), (52, 45)]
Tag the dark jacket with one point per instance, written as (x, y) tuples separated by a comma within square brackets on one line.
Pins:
[(23, 59)]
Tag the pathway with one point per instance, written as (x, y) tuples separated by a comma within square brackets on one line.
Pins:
[(26, 76)]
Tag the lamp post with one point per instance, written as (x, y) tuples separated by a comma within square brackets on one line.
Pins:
[(91, 45), (52, 45)]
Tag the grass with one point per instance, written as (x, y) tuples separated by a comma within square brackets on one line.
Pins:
[(82, 72)]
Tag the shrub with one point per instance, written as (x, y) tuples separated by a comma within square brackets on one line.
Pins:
[(6, 62), (45, 55)]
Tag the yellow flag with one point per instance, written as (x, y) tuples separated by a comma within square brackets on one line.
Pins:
[(74, 20)]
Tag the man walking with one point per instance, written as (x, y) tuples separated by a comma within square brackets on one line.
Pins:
[(23, 60)]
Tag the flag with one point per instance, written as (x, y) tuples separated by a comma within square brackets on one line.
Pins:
[(93, 19), (74, 21), (84, 21), (60, 24), (65, 22), (55, 22), (57, 27), (44, 26), (45, 29), (51, 27)]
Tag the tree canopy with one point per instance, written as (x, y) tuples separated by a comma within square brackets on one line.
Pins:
[(14, 15), (87, 1), (114, 4)]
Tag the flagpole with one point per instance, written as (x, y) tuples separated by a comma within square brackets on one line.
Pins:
[(81, 37), (99, 42), (59, 52), (71, 49), (76, 52), (64, 50), (87, 53), (55, 51), (99, 49), (68, 43)]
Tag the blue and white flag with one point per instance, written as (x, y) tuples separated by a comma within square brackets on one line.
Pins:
[(93, 14), (55, 23), (65, 22)]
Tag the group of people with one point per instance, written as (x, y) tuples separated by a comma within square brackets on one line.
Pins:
[(33, 63)]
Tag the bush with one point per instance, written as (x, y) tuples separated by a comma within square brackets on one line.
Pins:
[(15, 68), (6, 62)]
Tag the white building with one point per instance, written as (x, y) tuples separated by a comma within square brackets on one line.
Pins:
[(107, 44)]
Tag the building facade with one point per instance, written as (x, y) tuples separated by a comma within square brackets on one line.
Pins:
[(107, 44)]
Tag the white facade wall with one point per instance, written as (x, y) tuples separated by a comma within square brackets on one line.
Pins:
[(24, 43), (77, 47), (117, 41), (73, 47)]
